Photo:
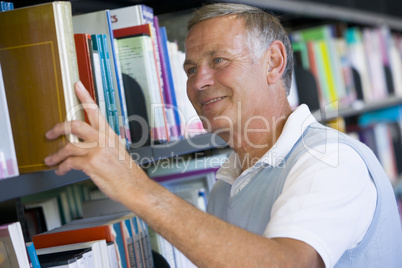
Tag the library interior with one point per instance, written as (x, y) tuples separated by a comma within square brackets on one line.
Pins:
[(129, 55)]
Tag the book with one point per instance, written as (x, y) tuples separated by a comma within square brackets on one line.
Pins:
[(32, 255), (136, 56), (110, 111), (163, 247), (356, 54), (74, 259), (99, 23), (8, 158), (50, 210), (327, 62), (83, 42), (136, 232), (5, 6), (107, 228), (110, 86), (139, 15), (167, 76), (191, 124), (35, 222), (98, 248), (371, 44), (39, 98), (391, 60), (113, 261), (100, 46), (96, 63), (12, 246)]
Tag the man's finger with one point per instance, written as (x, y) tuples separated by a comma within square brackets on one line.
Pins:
[(78, 128), (91, 108), (75, 162), (68, 151)]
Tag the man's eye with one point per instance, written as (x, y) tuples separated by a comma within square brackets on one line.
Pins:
[(191, 70), (218, 60)]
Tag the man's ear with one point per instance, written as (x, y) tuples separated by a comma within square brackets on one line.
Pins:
[(276, 61)]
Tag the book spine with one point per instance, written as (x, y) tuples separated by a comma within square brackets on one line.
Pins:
[(167, 91), (122, 96), (169, 76), (137, 241), (33, 257), (97, 42), (109, 81), (120, 249), (121, 107), (46, 240), (68, 59), (147, 16)]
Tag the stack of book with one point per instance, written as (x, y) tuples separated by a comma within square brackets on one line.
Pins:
[(123, 58)]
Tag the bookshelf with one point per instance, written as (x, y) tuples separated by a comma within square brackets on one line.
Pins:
[(36, 182), (32, 183), (291, 12)]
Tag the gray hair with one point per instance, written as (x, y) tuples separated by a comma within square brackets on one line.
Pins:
[(263, 28)]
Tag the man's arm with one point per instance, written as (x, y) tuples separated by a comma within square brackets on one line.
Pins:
[(206, 240)]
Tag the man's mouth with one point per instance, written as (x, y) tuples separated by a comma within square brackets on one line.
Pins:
[(213, 100)]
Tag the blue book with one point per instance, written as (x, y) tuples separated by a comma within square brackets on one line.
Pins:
[(115, 116), (33, 257), (3, 6), (97, 46)]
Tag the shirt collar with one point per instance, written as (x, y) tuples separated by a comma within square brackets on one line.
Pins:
[(294, 127)]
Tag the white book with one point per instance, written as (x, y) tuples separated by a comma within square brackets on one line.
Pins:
[(99, 256), (372, 47), (12, 246), (51, 212), (137, 60), (8, 158)]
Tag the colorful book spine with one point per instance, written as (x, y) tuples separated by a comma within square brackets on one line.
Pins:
[(136, 56), (97, 46), (135, 16), (168, 76), (110, 87)]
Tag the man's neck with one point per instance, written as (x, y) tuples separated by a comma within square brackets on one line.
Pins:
[(251, 146)]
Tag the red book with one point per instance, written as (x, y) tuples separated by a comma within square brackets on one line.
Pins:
[(83, 48)]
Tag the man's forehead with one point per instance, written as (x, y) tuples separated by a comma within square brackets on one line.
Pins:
[(222, 26)]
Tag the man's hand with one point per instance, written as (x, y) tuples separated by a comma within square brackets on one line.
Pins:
[(99, 154)]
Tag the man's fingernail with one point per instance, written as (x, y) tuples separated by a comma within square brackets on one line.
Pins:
[(47, 160), (80, 86)]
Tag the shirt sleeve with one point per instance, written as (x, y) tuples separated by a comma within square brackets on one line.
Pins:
[(327, 202)]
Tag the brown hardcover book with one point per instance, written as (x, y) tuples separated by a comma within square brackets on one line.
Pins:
[(39, 62)]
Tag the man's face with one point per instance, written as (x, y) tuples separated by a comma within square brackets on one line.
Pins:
[(226, 84)]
